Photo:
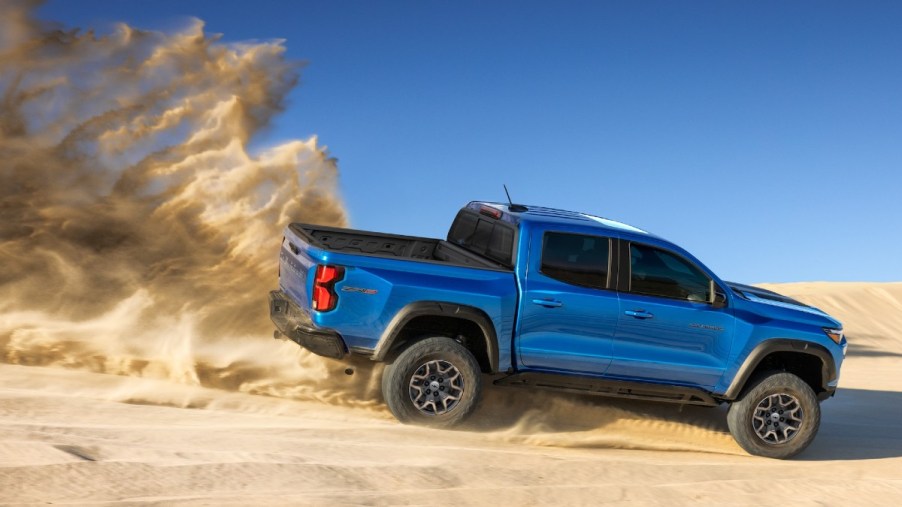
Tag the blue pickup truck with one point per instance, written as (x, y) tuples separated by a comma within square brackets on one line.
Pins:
[(545, 298)]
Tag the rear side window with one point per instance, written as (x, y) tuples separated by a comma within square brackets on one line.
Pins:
[(483, 235), (656, 272), (576, 259)]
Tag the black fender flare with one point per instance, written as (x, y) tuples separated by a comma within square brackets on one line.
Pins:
[(767, 347), (439, 309)]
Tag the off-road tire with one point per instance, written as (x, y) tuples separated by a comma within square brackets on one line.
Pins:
[(398, 376), (755, 400)]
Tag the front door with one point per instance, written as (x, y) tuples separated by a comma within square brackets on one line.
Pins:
[(669, 330)]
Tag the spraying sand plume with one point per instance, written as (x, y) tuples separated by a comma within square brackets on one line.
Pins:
[(137, 233)]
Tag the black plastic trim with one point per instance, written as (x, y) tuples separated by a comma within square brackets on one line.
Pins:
[(767, 347), (438, 309), (292, 322), (614, 264), (623, 262), (609, 387)]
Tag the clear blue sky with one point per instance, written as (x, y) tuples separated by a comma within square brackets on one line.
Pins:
[(765, 137)]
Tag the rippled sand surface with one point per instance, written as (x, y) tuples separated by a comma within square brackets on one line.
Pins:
[(76, 436)]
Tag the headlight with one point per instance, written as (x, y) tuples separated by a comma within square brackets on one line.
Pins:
[(834, 334)]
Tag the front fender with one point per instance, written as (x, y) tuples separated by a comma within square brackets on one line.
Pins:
[(763, 349)]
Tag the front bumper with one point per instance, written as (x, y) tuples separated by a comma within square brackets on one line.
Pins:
[(827, 394), (294, 324)]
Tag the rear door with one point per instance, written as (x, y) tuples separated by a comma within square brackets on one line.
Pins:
[(568, 310), (669, 329)]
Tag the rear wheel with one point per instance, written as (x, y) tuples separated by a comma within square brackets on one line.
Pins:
[(434, 382), (777, 417)]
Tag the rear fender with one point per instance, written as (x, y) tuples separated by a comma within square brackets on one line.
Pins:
[(438, 309)]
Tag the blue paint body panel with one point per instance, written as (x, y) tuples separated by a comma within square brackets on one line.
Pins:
[(543, 324), (575, 337)]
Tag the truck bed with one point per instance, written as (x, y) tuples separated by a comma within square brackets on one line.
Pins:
[(391, 246)]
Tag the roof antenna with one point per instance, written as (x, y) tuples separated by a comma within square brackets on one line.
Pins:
[(516, 208)]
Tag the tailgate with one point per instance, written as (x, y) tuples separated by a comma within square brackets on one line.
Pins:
[(295, 262)]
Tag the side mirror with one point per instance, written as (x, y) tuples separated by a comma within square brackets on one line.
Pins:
[(720, 298)]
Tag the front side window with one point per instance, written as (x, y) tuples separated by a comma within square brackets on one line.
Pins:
[(657, 272), (576, 259)]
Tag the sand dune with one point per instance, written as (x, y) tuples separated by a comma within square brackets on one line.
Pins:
[(73, 435)]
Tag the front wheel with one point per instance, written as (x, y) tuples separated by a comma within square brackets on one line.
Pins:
[(777, 417), (434, 382)]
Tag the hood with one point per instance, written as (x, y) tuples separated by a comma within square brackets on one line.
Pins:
[(777, 306)]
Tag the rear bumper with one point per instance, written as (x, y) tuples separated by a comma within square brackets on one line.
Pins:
[(292, 322)]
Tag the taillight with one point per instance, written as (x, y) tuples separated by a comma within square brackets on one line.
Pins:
[(324, 296)]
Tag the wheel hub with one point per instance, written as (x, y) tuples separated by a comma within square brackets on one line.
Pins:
[(777, 418), (436, 387)]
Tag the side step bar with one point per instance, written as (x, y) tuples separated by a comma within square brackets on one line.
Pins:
[(613, 388)]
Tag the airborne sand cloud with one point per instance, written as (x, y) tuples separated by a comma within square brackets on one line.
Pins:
[(137, 232)]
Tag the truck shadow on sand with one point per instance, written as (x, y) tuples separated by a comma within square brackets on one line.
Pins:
[(857, 424), (506, 408)]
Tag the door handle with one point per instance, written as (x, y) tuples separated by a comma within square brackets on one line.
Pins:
[(547, 303), (639, 314)]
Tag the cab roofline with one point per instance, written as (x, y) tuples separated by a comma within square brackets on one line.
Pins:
[(540, 214)]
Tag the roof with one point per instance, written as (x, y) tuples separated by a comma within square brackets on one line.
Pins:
[(553, 215)]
